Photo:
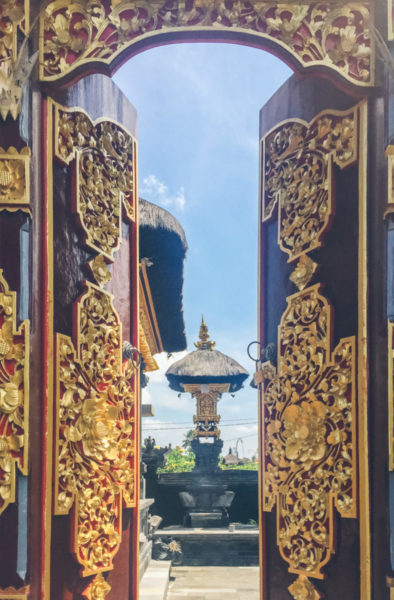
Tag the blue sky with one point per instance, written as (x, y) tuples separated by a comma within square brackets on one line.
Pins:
[(198, 120)]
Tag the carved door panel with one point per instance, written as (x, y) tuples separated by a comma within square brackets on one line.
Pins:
[(314, 473), (91, 306)]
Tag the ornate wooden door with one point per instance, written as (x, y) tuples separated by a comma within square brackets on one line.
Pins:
[(314, 470), (91, 396)]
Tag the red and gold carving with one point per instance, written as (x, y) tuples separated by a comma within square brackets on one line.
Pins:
[(104, 170), (14, 394), (98, 589), (302, 589), (14, 179), (297, 176), (14, 17), (309, 425), (95, 431), (335, 34)]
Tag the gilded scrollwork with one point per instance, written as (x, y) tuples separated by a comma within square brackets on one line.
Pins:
[(104, 169), (335, 34), (95, 465), (297, 176), (14, 179), (309, 419), (14, 391)]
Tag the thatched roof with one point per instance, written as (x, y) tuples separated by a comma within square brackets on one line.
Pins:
[(206, 365), (163, 243)]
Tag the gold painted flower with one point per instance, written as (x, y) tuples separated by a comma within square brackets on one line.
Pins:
[(305, 432), (302, 589)]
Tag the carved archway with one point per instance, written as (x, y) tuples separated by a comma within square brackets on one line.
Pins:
[(83, 36)]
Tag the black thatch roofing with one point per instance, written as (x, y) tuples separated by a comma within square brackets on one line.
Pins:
[(163, 242), (206, 366)]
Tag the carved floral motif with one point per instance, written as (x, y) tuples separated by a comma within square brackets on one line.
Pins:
[(14, 17), (303, 272), (302, 589), (14, 390), (95, 467), (297, 175), (98, 589), (104, 166), (14, 178), (309, 434), (334, 34), (99, 270)]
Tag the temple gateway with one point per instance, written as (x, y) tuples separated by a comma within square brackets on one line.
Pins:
[(82, 315)]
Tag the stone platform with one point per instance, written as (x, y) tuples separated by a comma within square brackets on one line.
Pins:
[(213, 547), (214, 583)]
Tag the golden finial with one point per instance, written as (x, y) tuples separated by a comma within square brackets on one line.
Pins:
[(205, 343)]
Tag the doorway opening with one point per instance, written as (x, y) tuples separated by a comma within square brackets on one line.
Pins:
[(198, 134)]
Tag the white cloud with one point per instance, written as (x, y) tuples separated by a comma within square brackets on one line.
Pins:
[(157, 191)]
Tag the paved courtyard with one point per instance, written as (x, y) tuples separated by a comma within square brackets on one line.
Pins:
[(214, 583)]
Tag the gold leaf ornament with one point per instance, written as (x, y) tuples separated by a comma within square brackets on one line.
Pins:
[(302, 589), (309, 432), (98, 589), (104, 165), (96, 451), (335, 34), (297, 172), (14, 178), (14, 389)]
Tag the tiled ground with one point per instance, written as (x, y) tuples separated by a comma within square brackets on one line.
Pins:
[(214, 583)]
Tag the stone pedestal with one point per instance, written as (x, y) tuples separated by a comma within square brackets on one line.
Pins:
[(206, 503)]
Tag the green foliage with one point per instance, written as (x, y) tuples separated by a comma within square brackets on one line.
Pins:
[(249, 466), (187, 442), (178, 461)]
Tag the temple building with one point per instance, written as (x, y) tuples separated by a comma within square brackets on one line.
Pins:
[(206, 374)]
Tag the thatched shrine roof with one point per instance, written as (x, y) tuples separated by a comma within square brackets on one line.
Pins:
[(163, 249), (206, 365)]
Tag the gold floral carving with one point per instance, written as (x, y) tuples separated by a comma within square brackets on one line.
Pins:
[(14, 394), (302, 589), (14, 17), (309, 420), (14, 178), (99, 270), (333, 34), (303, 272), (297, 174), (13, 594), (95, 435), (104, 167), (98, 589)]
